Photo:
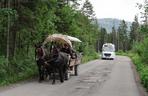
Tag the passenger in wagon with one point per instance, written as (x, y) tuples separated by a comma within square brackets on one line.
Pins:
[(69, 51), (66, 49)]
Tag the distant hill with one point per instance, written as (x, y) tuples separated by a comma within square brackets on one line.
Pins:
[(108, 23)]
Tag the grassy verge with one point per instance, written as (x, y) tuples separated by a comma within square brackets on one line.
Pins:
[(120, 52), (19, 68), (142, 68), (89, 57)]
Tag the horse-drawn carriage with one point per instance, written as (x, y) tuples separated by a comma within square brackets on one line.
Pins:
[(56, 55)]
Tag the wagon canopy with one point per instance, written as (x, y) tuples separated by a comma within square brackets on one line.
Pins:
[(61, 39), (58, 38), (73, 39)]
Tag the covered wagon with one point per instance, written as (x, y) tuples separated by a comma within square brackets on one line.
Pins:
[(74, 57)]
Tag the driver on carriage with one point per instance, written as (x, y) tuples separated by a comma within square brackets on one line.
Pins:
[(66, 49), (69, 51)]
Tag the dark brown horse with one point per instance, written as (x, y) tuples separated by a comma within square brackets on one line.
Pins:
[(57, 62), (39, 56)]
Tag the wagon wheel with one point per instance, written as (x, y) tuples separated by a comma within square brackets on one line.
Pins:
[(76, 70), (67, 75)]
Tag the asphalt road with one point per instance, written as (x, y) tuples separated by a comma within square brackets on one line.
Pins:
[(96, 78)]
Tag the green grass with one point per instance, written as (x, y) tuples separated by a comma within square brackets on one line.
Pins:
[(20, 67), (120, 52), (89, 57)]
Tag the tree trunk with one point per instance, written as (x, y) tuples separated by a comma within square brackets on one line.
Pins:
[(8, 35)]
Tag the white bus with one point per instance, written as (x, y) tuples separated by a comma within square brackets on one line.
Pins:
[(108, 51)]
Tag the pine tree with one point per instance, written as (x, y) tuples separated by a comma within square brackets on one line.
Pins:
[(103, 38), (87, 10), (134, 33), (144, 14), (123, 37), (114, 36)]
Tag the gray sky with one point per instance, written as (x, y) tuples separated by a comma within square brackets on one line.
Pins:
[(121, 9)]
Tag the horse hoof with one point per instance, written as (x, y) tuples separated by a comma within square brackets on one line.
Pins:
[(53, 83), (62, 81), (40, 81)]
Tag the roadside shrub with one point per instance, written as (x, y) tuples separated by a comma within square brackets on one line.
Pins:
[(142, 69), (89, 55), (142, 50), (120, 52), (20, 67), (145, 51), (141, 60), (138, 48), (3, 68), (144, 76)]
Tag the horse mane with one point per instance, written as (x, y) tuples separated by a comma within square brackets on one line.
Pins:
[(39, 52)]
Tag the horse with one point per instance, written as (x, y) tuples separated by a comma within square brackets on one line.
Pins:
[(40, 60), (59, 63), (56, 62)]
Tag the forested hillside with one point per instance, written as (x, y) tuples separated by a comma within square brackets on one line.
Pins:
[(120, 36), (23, 23), (108, 23)]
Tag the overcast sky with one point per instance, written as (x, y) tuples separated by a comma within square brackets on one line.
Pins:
[(121, 9)]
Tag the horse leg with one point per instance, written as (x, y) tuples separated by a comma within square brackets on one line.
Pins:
[(42, 72), (61, 75), (49, 70), (39, 74), (54, 77), (39, 70)]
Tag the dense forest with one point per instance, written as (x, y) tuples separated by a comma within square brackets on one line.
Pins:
[(23, 23)]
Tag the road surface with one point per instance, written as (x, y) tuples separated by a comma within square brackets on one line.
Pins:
[(96, 78)]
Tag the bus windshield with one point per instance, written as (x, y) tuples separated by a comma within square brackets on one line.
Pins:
[(108, 47)]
